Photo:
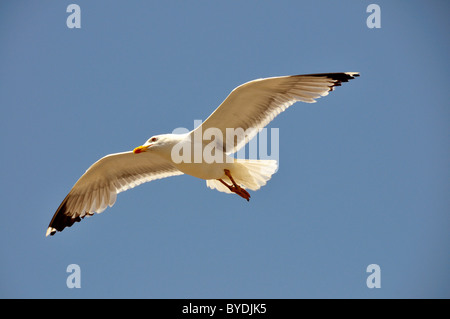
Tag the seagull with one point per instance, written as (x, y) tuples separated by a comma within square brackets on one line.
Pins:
[(246, 110)]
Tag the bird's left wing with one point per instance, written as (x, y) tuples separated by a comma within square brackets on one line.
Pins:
[(98, 186), (252, 105)]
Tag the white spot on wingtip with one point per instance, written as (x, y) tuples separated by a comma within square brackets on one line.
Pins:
[(50, 231)]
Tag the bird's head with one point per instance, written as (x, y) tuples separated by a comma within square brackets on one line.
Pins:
[(150, 142), (155, 142)]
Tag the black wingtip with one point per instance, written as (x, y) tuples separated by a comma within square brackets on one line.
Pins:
[(60, 219), (337, 77)]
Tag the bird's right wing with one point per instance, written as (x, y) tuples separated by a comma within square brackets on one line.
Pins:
[(98, 186)]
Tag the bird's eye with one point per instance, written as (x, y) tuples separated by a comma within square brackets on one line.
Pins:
[(154, 139)]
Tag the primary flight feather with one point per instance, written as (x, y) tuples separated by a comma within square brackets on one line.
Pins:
[(249, 108)]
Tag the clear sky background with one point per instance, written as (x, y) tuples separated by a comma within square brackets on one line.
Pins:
[(363, 177)]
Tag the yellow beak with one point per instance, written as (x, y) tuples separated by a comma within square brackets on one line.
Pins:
[(141, 149)]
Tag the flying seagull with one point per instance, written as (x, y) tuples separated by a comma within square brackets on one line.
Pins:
[(249, 107)]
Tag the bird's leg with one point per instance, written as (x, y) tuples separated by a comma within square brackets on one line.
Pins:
[(240, 189), (235, 188)]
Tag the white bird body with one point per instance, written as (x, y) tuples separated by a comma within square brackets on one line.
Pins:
[(201, 164), (247, 109), (197, 166), (205, 171)]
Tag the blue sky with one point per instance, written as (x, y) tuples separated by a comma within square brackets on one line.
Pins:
[(363, 176)]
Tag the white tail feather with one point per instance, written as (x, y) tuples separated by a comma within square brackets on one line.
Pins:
[(249, 174)]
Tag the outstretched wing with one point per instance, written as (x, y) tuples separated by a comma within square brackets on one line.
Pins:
[(252, 105), (98, 186)]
